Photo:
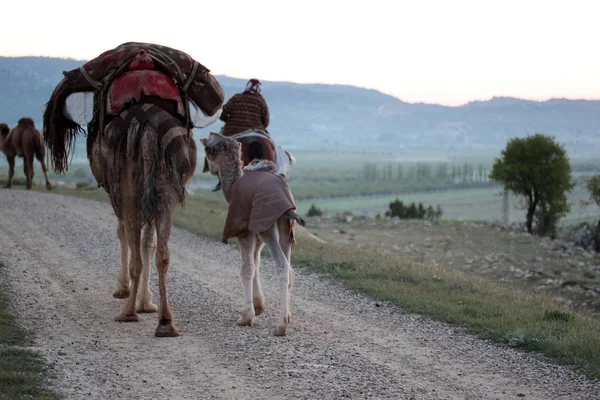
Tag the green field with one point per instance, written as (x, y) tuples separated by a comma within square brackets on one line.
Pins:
[(483, 204), (339, 182)]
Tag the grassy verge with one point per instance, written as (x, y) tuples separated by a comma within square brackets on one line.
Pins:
[(502, 314), (21, 370), (506, 315)]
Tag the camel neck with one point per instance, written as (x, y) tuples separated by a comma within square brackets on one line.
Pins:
[(229, 173)]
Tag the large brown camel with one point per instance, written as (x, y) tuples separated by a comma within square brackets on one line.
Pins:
[(142, 156), (261, 211), (23, 141)]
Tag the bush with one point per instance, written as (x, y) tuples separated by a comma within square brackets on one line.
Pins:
[(314, 211), (413, 211)]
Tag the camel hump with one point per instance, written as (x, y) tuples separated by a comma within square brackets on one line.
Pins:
[(26, 122)]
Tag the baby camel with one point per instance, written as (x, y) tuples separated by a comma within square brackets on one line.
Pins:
[(261, 211)]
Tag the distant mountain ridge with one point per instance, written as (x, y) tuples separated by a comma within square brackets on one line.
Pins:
[(341, 117)]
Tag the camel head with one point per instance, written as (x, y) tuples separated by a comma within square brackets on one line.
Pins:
[(221, 148)]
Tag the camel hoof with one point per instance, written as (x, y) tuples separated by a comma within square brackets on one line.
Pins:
[(166, 330), (280, 331), (127, 318), (259, 306), (244, 322), (48, 186), (121, 294), (147, 307)]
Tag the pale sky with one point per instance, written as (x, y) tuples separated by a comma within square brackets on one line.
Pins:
[(448, 52)]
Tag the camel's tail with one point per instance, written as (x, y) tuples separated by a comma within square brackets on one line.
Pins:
[(160, 145), (291, 214), (39, 149), (4, 129), (149, 160)]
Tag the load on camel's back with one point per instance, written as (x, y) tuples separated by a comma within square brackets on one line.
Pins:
[(141, 149), (131, 73)]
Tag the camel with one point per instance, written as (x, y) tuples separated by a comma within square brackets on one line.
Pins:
[(144, 168), (261, 211), (143, 155), (23, 141), (257, 143)]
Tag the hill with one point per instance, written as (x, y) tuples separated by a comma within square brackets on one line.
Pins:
[(347, 118)]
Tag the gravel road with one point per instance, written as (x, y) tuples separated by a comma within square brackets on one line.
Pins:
[(62, 258)]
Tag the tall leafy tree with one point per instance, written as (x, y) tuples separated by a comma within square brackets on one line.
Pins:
[(537, 168), (593, 186)]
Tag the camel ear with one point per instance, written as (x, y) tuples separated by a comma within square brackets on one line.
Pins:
[(203, 141)]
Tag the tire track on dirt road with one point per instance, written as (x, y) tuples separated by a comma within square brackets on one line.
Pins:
[(62, 258)]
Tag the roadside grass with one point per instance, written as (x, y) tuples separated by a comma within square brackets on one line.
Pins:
[(22, 373), (500, 313)]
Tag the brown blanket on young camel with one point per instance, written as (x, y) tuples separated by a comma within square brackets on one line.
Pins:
[(257, 200)]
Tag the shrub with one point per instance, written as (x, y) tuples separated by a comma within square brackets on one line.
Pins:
[(314, 211), (413, 211)]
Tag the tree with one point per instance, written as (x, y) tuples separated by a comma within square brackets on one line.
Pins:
[(441, 172), (593, 186), (537, 168), (466, 171), (400, 172), (481, 174), (420, 211), (370, 171)]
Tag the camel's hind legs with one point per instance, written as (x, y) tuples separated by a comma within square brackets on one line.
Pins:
[(258, 299), (28, 169), (284, 226), (164, 222), (148, 247), (248, 244), (271, 239), (123, 280), (11, 171), (133, 238), (144, 300)]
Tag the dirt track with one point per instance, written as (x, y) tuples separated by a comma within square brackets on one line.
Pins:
[(62, 259)]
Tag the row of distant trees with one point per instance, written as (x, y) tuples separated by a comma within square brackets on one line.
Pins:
[(443, 172)]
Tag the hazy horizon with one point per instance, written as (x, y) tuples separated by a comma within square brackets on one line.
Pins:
[(433, 52)]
